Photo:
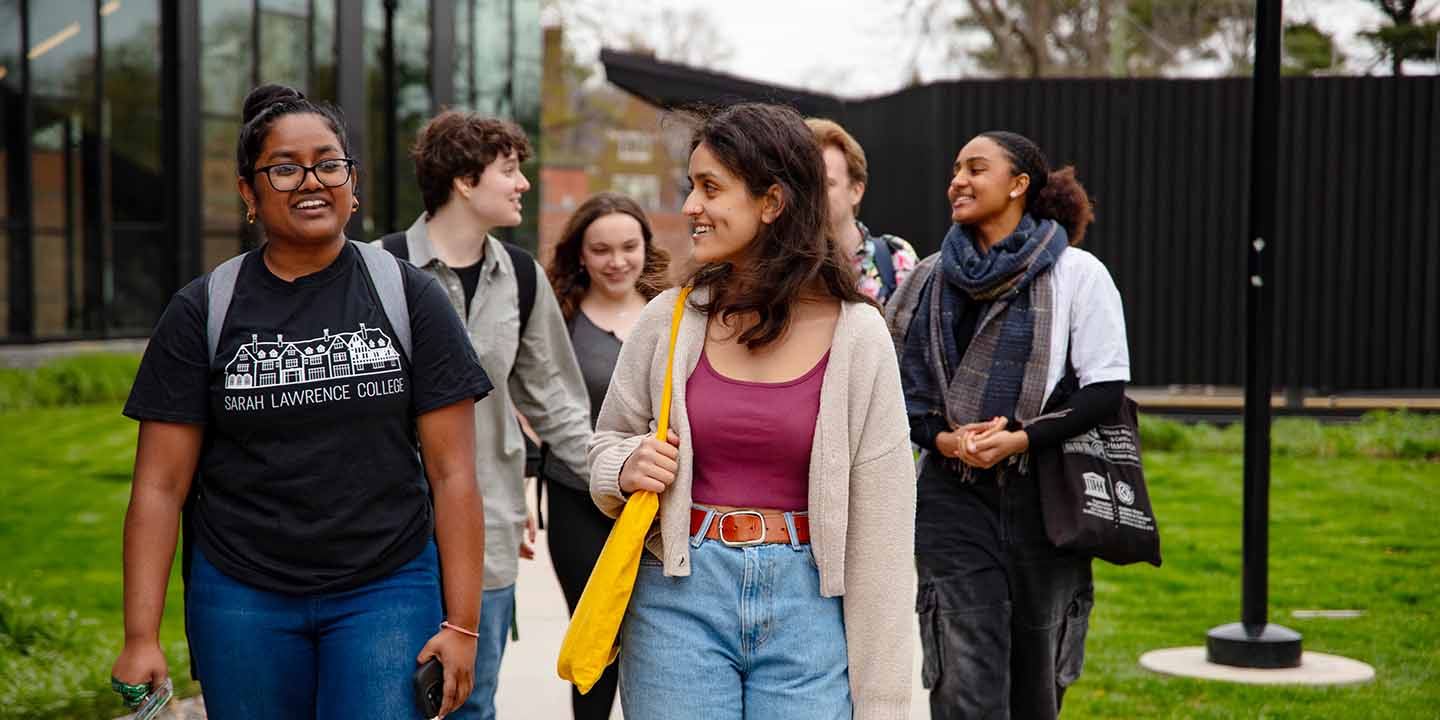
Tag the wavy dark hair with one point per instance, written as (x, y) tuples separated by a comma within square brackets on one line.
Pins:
[(565, 272), (461, 144), (766, 146), (1053, 194), (263, 106)]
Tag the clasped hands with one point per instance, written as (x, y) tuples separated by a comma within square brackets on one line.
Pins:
[(982, 444)]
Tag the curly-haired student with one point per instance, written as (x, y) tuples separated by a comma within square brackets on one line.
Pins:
[(988, 328)]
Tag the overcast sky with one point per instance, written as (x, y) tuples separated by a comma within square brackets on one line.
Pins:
[(857, 48)]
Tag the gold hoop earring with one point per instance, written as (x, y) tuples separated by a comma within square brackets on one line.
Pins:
[(354, 204), (250, 216)]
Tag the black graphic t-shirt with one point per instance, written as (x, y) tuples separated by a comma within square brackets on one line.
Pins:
[(309, 480)]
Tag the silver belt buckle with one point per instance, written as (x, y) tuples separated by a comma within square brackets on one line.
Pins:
[(742, 543)]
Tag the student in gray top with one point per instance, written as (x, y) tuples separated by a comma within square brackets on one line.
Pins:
[(607, 266), (468, 168)]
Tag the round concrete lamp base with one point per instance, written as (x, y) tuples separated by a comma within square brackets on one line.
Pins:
[(1314, 669)]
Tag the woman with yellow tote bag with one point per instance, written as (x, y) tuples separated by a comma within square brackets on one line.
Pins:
[(589, 644), (777, 582)]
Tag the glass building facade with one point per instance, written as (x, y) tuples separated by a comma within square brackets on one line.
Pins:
[(118, 121)]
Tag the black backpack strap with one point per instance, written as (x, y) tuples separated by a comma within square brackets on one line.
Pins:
[(394, 243), (885, 264), (525, 279)]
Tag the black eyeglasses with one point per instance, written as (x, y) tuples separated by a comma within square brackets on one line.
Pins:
[(285, 177)]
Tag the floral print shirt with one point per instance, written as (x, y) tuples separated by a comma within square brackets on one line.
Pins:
[(902, 256)]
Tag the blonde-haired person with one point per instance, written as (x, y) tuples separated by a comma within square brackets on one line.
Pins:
[(776, 582), (607, 266), (882, 262)]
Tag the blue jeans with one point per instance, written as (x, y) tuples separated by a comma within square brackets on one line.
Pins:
[(497, 611), (346, 654), (745, 636)]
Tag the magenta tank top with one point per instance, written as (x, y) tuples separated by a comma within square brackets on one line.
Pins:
[(751, 440)]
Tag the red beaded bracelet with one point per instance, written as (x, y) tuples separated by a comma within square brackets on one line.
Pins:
[(447, 625)]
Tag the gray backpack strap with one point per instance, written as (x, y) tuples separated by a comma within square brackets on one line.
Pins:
[(219, 288), (385, 275)]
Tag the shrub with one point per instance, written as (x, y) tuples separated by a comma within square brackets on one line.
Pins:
[(77, 380), (1385, 434)]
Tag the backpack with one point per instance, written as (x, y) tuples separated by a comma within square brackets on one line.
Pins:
[(525, 279), (525, 276), (885, 264)]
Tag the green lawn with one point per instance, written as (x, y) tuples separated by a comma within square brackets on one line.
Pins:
[(65, 487), (1345, 534)]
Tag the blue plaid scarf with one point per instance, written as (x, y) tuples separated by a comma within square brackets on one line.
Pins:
[(1000, 374)]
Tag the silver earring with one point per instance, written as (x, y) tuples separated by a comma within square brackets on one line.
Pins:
[(1014, 194)]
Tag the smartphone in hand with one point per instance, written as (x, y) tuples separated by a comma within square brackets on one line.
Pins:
[(430, 687)]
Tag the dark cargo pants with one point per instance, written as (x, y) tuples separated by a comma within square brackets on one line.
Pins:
[(1003, 613)]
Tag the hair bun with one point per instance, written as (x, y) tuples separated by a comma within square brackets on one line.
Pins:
[(266, 96), (1064, 200)]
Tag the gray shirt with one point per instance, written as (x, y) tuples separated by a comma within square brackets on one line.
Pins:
[(596, 349), (540, 378)]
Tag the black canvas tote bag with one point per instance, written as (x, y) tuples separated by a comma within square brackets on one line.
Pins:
[(1093, 496)]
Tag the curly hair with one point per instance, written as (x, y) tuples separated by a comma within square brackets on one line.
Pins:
[(1055, 195), (263, 106), (770, 145), (565, 272), (458, 144)]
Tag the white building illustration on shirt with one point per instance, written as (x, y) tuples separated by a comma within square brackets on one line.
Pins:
[(256, 364)]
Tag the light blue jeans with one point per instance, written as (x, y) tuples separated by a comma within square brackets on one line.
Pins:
[(745, 636), (497, 612)]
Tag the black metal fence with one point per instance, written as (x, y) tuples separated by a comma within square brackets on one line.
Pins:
[(1167, 163)]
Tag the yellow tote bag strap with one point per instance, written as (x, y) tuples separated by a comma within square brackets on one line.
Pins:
[(663, 425), (590, 641)]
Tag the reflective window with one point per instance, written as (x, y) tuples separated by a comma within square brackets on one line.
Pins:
[(140, 275), (412, 103), (491, 48), (388, 168), (11, 107), (322, 50), (499, 63), (84, 188), (527, 80), (64, 140), (226, 69), (285, 43)]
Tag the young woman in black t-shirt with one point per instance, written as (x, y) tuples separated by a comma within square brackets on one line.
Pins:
[(315, 585)]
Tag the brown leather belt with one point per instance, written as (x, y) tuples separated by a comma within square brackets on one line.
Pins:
[(742, 528)]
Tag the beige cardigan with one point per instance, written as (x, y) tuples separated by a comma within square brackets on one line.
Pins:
[(862, 482)]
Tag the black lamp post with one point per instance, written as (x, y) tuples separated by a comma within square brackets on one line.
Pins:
[(1254, 642)]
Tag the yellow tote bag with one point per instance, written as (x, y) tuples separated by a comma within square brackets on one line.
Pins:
[(590, 642)]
